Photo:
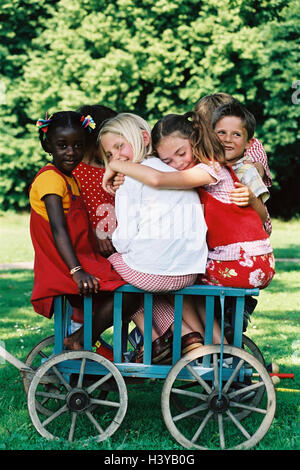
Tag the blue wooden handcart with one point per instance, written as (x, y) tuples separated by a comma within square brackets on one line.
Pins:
[(216, 396)]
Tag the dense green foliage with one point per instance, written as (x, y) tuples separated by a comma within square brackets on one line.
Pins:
[(149, 57)]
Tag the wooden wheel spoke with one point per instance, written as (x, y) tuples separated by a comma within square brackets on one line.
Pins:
[(202, 426), (247, 407), (190, 412), (233, 376), (55, 415), (81, 373), (188, 393), (99, 382), (221, 431), (199, 379), (114, 404), (94, 422), (61, 378), (238, 424), (245, 390), (72, 427), (56, 396)]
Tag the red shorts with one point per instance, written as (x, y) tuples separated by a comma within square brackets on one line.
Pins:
[(247, 272)]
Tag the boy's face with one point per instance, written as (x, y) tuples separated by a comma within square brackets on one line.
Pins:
[(233, 136)]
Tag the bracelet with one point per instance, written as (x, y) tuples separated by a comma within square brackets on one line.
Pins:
[(74, 270)]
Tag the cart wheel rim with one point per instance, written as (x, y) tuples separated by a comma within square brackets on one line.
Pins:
[(38, 350), (80, 396), (207, 401)]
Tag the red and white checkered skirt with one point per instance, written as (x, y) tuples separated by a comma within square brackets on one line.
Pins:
[(163, 311)]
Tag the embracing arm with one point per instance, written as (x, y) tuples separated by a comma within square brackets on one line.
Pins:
[(64, 245), (185, 179), (243, 196)]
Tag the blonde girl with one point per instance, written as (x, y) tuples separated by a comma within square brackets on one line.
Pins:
[(160, 234)]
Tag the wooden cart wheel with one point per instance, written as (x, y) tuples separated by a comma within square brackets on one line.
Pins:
[(76, 410), (210, 407), (41, 352), (251, 347), (254, 397)]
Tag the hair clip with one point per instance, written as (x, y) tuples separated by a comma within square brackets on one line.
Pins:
[(43, 123), (88, 122)]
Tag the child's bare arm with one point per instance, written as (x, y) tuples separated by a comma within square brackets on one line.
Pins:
[(86, 283), (243, 196), (187, 179)]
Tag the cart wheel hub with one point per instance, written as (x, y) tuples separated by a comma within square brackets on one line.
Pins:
[(78, 400), (218, 404)]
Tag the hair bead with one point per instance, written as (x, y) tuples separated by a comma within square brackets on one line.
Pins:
[(88, 122), (43, 123)]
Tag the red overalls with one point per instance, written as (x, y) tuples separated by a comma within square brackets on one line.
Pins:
[(51, 274), (227, 224)]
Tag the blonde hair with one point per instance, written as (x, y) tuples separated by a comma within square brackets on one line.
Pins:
[(131, 127)]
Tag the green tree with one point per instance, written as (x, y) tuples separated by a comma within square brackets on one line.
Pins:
[(149, 57)]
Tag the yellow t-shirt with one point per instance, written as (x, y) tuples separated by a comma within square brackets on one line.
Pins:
[(50, 182)]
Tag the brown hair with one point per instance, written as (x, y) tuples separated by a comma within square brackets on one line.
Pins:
[(205, 144), (238, 110), (208, 104)]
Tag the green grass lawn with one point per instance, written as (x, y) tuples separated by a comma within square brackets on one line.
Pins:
[(15, 239), (275, 328)]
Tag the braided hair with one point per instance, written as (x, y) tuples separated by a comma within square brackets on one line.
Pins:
[(61, 119)]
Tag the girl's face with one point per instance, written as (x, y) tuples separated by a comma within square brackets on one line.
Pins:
[(116, 147), (233, 136), (176, 152), (67, 145)]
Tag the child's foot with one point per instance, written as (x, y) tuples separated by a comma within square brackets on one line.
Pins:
[(73, 342)]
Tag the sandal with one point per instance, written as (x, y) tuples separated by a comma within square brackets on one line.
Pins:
[(160, 349), (191, 341)]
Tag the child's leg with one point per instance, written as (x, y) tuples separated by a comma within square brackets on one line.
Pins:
[(190, 316), (102, 317), (139, 319), (216, 326)]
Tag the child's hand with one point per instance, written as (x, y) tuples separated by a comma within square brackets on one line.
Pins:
[(107, 182), (241, 195), (87, 283), (118, 181), (106, 247)]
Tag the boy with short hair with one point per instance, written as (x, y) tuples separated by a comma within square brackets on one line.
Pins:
[(235, 126)]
